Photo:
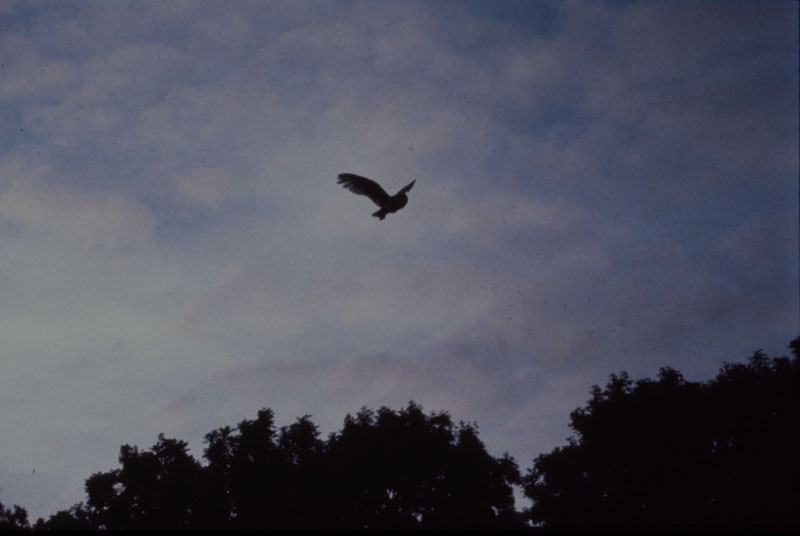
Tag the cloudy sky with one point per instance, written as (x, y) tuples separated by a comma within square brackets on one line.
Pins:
[(601, 186)]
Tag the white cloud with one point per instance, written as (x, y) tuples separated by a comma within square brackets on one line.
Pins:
[(83, 220)]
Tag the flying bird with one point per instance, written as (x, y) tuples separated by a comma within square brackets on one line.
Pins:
[(364, 186)]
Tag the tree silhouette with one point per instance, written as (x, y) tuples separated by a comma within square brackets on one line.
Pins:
[(665, 453), (384, 469), (409, 470), (13, 519), (265, 478), (255, 467), (72, 519), (153, 489), (677, 454)]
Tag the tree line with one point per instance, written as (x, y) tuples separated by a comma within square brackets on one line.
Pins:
[(662, 453)]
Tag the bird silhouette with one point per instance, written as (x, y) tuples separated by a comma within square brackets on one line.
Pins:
[(364, 186)]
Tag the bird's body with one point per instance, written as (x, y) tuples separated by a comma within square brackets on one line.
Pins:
[(367, 187)]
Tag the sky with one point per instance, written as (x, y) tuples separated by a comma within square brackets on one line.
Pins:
[(600, 186)]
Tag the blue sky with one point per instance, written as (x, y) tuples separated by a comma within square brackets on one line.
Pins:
[(601, 186)]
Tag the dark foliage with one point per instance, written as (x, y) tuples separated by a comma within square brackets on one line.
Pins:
[(677, 454), (73, 519), (652, 454), (13, 519), (387, 469), (408, 470)]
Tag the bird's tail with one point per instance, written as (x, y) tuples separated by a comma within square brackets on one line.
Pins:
[(380, 214)]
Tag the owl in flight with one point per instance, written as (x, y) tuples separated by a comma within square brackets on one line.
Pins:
[(364, 186)]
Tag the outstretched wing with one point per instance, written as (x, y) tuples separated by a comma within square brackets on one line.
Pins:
[(364, 186), (407, 188)]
